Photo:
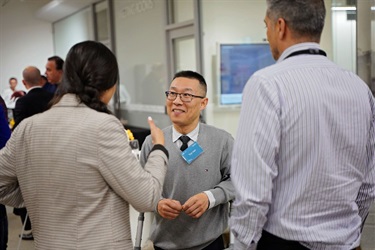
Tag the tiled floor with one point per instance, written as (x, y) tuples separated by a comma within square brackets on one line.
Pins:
[(15, 227)]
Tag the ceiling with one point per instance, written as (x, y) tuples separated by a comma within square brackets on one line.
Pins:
[(54, 10), (57, 9)]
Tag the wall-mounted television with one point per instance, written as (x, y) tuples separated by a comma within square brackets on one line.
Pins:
[(236, 63)]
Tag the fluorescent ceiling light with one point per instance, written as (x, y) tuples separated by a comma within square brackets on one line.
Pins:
[(349, 8), (344, 8)]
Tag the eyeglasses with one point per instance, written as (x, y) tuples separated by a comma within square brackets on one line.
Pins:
[(185, 97)]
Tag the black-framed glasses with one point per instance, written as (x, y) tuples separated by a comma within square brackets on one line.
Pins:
[(185, 97)]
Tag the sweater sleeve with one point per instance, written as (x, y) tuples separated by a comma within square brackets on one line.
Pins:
[(224, 191), (145, 150)]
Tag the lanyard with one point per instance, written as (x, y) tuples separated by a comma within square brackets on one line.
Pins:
[(307, 52)]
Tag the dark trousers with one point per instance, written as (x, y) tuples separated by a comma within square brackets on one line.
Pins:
[(217, 244), (3, 228), (22, 212), (270, 242)]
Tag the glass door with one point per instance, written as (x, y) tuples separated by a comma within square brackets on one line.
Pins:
[(183, 36)]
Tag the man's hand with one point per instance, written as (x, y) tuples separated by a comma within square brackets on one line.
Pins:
[(169, 209), (196, 205), (17, 94)]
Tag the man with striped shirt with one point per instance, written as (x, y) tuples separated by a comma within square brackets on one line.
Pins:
[(303, 163)]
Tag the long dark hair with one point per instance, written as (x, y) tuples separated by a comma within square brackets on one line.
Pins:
[(90, 69)]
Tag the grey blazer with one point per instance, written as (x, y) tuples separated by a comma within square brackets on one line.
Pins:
[(74, 170)]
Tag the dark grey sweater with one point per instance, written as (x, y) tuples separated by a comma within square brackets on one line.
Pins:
[(183, 181)]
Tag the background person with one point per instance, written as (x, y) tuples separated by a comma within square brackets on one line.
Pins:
[(303, 162), (7, 93), (54, 73), (35, 101), (4, 136), (4, 107), (73, 163), (193, 213)]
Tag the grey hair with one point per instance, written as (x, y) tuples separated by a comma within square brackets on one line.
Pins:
[(304, 17)]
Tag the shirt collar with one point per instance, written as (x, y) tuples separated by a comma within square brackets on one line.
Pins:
[(297, 47), (193, 135), (35, 87)]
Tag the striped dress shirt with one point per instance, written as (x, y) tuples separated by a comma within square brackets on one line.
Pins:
[(303, 164)]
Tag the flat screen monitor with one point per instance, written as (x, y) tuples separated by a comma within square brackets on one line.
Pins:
[(237, 62)]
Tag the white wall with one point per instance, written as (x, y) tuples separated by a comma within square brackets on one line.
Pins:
[(344, 53), (24, 40), (76, 28)]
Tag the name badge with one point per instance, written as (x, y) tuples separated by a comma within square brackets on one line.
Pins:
[(192, 152)]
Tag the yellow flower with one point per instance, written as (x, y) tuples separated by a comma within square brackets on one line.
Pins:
[(11, 123), (130, 135)]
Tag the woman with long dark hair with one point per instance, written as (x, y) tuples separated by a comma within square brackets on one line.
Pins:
[(72, 166)]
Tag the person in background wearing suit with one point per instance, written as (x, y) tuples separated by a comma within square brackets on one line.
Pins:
[(304, 156), (73, 163), (54, 73), (4, 136), (35, 101), (193, 212)]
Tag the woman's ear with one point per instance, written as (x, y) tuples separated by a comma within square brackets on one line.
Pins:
[(107, 95)]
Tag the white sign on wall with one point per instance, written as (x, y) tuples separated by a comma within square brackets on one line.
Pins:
[(137, 7)]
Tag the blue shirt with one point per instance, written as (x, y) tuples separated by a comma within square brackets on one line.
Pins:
[(303, 163), (50, 87), (4, 129)]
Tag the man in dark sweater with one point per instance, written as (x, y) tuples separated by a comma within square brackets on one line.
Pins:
[(35, 101), (193, 212)]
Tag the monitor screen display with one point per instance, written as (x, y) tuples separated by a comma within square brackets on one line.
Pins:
[(237, 62)]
